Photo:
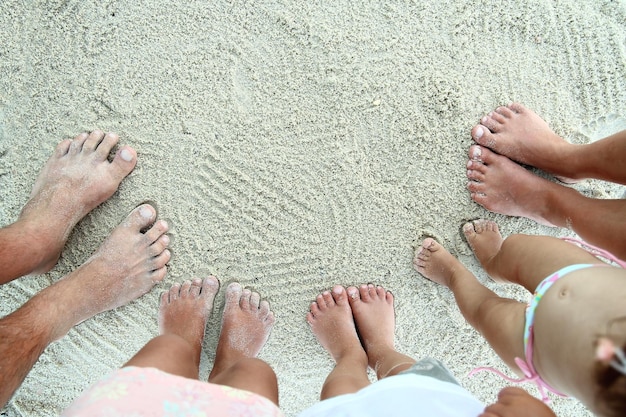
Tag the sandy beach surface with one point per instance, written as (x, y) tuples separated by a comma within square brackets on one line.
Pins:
[(292, 145)]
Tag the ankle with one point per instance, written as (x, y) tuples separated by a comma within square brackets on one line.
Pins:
[(354, 354), (576, 156), (376, 355), (40, 246), (457, 275)]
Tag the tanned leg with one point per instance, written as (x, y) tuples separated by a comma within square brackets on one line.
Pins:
[(502, 186), (246, 326), (183, 314), (76, 179), (374, 316), (330, 318), (126, 266)]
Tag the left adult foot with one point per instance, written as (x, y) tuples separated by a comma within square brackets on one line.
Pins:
[(76, 179), (374, 316), (246, 325), (330, 318), (185, 309)]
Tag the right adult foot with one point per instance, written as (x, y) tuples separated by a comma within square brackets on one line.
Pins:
[(521, 135), (485, 240), (435, 263), (76, 179), (126, 266), (374, 316), (185, 309), (330, 318), (246, 325), (502, 186)]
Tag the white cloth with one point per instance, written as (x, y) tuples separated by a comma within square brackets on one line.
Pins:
[(401, 395)]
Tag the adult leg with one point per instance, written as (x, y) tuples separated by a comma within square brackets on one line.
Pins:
[(502, 186), (76, 179), (520, 134), (521, 259), (126, 266), (374, 316), (246, 325), (499, 320), (330, 318), (183, 313)]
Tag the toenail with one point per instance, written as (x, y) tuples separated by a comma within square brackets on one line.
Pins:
[(126, 155), (145, 212), (166, 239), (477, 152), (338, 290), (480, 132)]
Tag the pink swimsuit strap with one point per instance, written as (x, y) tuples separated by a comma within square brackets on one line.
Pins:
[(596, 251)]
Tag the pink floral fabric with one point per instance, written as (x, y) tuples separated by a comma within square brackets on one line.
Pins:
[(142, 392)]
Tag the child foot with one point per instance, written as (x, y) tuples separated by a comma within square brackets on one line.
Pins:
[(246, 325), (502, 186), (330, 318), (126, 266), (185, 309), (374, 316), (521, 135), (435, 263), (76, 179), (485, 240)]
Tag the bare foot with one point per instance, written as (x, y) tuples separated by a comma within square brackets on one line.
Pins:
[(521, 135), (184, 310), (246, 325), (126, 266), (374, 316), (502, 186), (484, 237), (330, 318), (437, 264), (76, 179)]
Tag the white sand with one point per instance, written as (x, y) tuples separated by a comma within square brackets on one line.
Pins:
[(293, 145)]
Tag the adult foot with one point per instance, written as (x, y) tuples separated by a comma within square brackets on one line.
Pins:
[(435, 263), (246, 325), (185, 309), (484, 237), (502, 186), (330, 318), (521, 135), (374, 316), (76, 179), (127, 265)]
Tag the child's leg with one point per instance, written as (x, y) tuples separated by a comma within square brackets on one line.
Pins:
[(246, 326), (332, 323), (521, 259), (499, 320), (183, 313), (373, 312)]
